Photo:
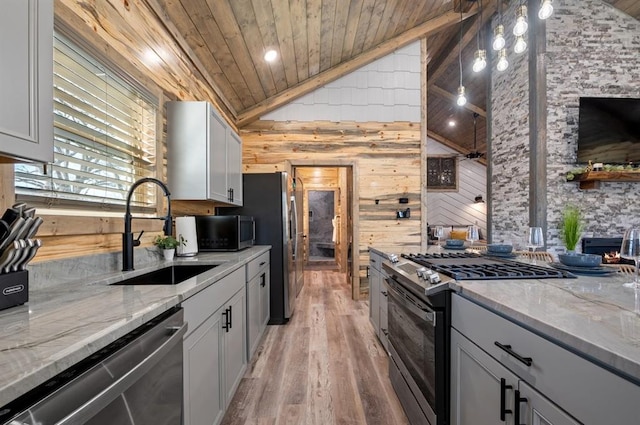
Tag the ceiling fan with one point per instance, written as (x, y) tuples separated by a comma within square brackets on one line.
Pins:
[(475, 153)]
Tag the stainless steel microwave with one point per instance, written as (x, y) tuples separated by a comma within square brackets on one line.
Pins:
[(225, 232)]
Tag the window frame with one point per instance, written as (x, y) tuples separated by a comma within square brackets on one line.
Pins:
[(442, 168), (61, 207)]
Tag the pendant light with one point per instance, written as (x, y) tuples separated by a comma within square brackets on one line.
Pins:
[(546, 9), (498, 32), (521, 45), (462, 99), (498, 38), (521, 21), (503, 63), (480, 56)]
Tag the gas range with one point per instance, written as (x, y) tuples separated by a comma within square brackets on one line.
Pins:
[(472, 266), (429, 273)]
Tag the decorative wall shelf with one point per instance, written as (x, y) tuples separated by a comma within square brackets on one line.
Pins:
[(592, 179)]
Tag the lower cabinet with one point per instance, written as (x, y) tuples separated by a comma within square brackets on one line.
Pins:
[(214, 348), (503, 373), (258, 291), (378, 297)]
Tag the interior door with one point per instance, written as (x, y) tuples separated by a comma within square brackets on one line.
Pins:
[(298, 195)]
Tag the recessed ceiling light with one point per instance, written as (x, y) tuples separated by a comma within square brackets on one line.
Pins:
[(271, 55), (452, 123)]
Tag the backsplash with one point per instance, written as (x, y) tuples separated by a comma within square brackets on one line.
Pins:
[(58, 272)]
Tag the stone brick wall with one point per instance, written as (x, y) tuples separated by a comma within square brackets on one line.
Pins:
[(593, 49), (510, 141)]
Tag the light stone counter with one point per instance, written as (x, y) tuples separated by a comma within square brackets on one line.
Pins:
[(595, 317), (63, 324)]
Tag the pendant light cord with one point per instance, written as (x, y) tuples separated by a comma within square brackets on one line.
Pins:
[(460, 46)]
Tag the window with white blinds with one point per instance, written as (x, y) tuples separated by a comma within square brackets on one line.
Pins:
[(104, 138)]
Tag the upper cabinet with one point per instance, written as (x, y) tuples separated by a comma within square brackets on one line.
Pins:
[(26, 80), (204, 154)]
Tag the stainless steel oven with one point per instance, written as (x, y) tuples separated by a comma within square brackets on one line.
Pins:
[(136, 380), (419, 352)]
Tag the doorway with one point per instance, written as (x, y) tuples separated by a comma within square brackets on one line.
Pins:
[(323, 232), (328, 223)]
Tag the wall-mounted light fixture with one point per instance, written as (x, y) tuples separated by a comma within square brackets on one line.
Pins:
[(478, 199)]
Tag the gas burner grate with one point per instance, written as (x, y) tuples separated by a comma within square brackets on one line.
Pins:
[(471, 266)]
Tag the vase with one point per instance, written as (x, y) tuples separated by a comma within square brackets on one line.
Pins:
[(168, 253)]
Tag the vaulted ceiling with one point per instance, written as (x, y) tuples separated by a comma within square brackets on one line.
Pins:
[(319, 41)]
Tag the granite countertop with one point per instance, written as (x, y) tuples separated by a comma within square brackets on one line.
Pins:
[(63, 324), (593, 316)]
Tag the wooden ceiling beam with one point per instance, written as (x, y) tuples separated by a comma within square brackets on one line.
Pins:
[(433, 25), (452, 145), (450, 96)]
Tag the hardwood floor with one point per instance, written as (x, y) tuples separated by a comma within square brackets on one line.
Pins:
[(325, 367)]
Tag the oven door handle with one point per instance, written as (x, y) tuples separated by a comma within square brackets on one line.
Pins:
[(101, 400), (424, 312)]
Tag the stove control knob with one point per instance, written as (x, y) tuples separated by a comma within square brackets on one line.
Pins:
[(434, 278), (421, 272), (393, 258)]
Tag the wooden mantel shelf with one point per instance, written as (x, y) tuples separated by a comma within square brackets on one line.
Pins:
[(591, 179)]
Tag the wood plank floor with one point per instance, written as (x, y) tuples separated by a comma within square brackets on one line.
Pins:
[(324, 367)]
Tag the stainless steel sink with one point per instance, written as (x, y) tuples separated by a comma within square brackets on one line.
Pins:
[(171, 275)]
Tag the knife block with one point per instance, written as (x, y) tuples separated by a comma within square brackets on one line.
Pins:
[(14, 289)]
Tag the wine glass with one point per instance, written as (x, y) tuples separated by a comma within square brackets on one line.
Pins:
[(438, 232), (535, 240), (473, 234), (630, 250)]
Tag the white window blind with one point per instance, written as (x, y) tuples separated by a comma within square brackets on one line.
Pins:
[(104, 138)]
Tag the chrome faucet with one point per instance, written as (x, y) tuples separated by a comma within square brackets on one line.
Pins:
[(127, 237)]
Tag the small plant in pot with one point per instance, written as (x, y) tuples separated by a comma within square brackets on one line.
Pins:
[(168, 245), (571, 227)]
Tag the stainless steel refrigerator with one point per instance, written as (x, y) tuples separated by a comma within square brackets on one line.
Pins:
[(275, 202)]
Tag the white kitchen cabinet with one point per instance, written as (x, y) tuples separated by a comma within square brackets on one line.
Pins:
[(557, 386), (478, 385), (258, 289), (26, 80), (204, 154), (214, 348), (234, 342), (378, 297)]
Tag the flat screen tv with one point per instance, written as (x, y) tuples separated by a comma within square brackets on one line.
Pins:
[(609, 130)]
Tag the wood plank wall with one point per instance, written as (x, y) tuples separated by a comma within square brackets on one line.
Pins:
[(387, 157), (121, 33)]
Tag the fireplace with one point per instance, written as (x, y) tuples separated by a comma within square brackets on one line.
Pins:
[(602, 246)]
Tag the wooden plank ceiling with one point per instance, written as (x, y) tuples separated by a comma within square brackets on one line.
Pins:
[(321, 40)]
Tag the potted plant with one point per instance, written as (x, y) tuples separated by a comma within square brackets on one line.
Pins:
[(168, 245), (571, 227)]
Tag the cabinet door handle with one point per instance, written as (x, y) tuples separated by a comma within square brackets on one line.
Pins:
[(263, 280), (262, 263), (503, 399), (367, 271), (231, 194), (230, 317), (225, 315), (526, 360), (516, 408)]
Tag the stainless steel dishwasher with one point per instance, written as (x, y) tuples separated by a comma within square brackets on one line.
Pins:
[(135, 380)]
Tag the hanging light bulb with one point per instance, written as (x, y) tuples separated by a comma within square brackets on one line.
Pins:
[(546, 9), (503, 63), (462, 99), (498, 37), (521, 45), (480, 60), (521, 21)]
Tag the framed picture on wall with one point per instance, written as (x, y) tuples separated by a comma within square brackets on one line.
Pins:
[(442, 173)]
